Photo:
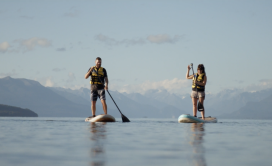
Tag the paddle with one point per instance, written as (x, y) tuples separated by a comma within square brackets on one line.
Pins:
[(199, 105), (124, 118)]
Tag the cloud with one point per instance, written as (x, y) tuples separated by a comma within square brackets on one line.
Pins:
[(111, 41), (72, 13), (262, 85), (4, 47), (71, 77), (31, 43), (46, 81), (159, 39), (61, 49), (266, 82), (27, 17), (58, 69), (173, 86), (24, 45), (49, 83)]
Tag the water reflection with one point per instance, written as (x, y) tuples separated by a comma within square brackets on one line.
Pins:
[(196, 136), (98, 136)]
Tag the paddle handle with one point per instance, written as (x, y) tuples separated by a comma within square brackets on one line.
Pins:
[(192, 69)]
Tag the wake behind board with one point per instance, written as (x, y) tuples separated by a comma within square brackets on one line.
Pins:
[(186, 118), (101, 118)]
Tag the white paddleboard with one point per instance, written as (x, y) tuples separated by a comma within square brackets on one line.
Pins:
[(186, 118), (101, 118)]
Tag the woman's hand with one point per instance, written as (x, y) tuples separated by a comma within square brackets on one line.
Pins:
[(195, 82), (189, 67)]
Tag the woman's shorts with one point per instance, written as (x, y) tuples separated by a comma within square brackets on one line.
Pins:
[(197, 95)]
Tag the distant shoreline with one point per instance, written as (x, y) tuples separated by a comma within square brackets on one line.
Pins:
[(11, 111)]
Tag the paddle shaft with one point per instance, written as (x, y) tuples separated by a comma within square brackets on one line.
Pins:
[(195, 78), (114, 102)]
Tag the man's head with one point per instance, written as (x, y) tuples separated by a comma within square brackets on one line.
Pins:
[(98, 62)]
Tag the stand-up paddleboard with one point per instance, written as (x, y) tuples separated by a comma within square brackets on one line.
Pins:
[(101, 118), (186, 118)]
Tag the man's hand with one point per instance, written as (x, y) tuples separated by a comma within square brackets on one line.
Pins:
[(88, 73), (106, 87), (91, 68)]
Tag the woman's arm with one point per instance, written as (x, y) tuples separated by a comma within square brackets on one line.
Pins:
[(187, 74), (203, 83)]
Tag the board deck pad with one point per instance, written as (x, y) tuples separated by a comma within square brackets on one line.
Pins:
[(186, 118), (101, 118)]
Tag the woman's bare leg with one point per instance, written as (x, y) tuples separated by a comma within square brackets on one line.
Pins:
[(194, 101)]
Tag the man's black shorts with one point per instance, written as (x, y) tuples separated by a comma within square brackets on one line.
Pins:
[(98, 93)]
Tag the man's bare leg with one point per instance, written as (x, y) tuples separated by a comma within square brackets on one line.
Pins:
[(104, 106), (93, 107)]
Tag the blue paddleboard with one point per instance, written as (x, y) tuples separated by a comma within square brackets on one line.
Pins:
[(186, 118)]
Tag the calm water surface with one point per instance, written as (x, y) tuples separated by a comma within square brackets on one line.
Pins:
[(160, 142)]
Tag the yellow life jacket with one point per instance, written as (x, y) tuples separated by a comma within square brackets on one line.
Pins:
[(94, 78), (199, 78)]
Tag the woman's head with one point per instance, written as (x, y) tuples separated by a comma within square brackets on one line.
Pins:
[(201, 69)]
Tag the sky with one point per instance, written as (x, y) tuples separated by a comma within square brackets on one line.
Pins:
[(144, 44)]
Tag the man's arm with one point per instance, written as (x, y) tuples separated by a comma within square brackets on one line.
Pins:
[(106, 83), (88, 73)]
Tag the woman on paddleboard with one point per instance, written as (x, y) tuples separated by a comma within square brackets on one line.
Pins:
[(198, 89)]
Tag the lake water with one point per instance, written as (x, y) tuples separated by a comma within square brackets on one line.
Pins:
[(142, 142)]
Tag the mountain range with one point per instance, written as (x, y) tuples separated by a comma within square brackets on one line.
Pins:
[(61, 102), (32, 95)]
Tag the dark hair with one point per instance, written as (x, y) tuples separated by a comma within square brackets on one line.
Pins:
[(201, 67), (98, 58)]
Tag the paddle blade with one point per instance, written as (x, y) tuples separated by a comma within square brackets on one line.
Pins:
[(200, 107), (124, 118)]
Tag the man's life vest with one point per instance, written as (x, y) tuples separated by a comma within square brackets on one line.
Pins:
[(199, 78), (94, 78)]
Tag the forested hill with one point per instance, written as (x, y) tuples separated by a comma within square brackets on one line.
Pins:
[(6, 110)]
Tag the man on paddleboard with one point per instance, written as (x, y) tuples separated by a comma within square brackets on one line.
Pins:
[(99, 83)]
